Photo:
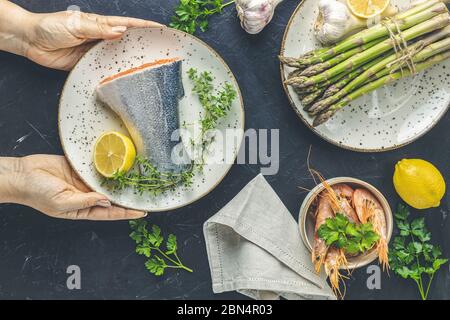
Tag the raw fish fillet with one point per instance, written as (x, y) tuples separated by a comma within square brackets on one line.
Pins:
[(146, 98)]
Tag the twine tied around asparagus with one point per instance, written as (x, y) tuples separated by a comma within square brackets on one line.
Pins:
[(404, 53)]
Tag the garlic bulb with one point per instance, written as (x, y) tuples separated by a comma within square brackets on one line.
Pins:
[(255, 14), (335, 21)]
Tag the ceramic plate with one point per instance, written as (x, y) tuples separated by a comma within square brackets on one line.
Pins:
[(82, 119), (386, 119)]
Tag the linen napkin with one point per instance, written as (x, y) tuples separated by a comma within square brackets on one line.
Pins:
[(254, 247)]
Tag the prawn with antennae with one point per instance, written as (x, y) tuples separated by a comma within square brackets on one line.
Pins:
[(331, 258), (370, 210)]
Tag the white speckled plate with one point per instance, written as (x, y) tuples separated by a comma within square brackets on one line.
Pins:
[(386, 119), (82, 119)]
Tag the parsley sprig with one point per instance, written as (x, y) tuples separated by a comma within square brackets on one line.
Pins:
[(351, 237), (412, 256), (191, 15), (149, 244)]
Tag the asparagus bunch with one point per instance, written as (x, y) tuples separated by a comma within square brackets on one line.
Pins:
[(327, 79)]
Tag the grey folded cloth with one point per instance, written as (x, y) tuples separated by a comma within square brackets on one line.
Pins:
[(254, 247)]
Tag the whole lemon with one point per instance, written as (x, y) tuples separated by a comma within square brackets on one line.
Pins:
[(419, 183)]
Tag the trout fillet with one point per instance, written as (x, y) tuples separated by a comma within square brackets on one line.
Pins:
[(146, 98)]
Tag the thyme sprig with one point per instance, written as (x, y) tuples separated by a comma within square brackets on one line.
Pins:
[(150, 179), (215, 104)]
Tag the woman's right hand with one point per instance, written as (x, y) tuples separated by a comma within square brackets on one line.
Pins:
[(47, 183)]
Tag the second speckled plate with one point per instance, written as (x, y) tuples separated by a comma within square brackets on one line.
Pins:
[(82, 119), (386, 119)]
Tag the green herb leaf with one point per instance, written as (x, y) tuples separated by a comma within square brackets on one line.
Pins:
[(404, 228), (155, 237), (156, 266), (171, 244), (191, 15), (149, 245), (402, 212), (216, 104), (411, 255), (353, 238), (438, 263), (143, 249)]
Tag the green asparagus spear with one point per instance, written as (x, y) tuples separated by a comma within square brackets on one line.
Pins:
[(310, 98), (431, 48), (375, 32), (416, 9), (320, 67), (410, 12), (336, 87), (324, 84), (352, 63), (295, 73), (371, 86)]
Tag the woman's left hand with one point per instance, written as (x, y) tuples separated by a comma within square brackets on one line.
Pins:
[(47, 183)]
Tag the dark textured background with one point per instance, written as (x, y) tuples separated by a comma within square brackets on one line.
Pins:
[(35, 250)]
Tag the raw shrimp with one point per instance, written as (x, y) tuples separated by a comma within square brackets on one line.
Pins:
[(369, 209), (333, 262), (344, 195), (320, 249)]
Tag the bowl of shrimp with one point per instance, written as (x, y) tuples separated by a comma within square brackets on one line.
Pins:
[(359, 202)]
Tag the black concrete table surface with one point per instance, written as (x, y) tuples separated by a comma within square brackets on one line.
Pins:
[(36, 250)]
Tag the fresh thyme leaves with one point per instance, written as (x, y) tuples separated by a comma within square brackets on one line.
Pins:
[(191, 15), (353, 238), (215, 104), (150, 179), (149, 244), (411, 255)]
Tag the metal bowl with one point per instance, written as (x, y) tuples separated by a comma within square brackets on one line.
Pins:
[(307, 220)]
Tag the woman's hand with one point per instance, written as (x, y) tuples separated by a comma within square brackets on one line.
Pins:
[(47, 183), (58, 40)]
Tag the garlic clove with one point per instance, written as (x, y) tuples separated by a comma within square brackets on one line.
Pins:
[(335, 21), (255, 14)]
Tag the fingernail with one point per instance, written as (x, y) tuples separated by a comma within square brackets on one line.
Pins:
[(145, 214), (119, 29), (104, 203)]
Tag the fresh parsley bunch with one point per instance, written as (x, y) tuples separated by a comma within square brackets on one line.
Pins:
[(191, 15), (149, 244), (412, 255), (353, 238)]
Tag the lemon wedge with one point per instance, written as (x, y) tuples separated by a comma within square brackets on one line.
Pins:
[(419, 183), (367, 8), (113, 152)]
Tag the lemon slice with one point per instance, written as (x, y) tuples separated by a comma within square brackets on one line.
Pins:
[(113, 152), (367, 8)]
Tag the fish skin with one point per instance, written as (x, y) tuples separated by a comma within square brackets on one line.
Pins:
[(147, 101)]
